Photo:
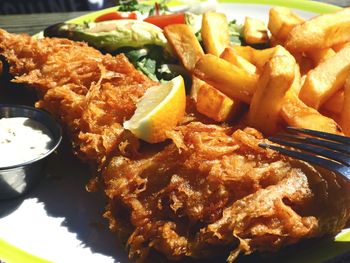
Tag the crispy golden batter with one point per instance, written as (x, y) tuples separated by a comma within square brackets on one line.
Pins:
[(90, 92), (210, 190), (213, 188)]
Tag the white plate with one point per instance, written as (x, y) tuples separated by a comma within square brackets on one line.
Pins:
[(61, 222)]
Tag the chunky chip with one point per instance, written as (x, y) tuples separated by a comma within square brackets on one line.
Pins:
[(215, 40), (232, 56), (335, 103), (345, 114), (214, 104), (297, 114), (255, 31), (306, 65), (281, 21), (320, 55), (185, 44), (339, 46), (231, 80), (196, 84), (321, 32), (326, 79), (276, 79), (258, 57)]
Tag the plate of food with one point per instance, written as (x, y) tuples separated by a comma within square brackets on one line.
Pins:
[(164, 108)]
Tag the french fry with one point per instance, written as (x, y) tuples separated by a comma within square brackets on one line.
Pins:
[(326, 79), (214, 104), (298, 114), (296, 86), (258, 57), (320, 55), (320, 32), (281, 21), (274, 41), (345, 114), (246, 52), (211, 102), (196, 85), (276, 79), (215, 33), (255, 31), (335, 103), (261, 57), (231, 80), (185, 44), (340, 46), (306, 64), (302, 81), (231, 56)]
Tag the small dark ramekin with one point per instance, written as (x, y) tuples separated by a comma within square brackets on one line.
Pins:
[(18, 179)]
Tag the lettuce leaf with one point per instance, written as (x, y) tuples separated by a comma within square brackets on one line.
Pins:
[(236, 32), (151, 60)]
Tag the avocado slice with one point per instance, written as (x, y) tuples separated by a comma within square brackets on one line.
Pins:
[(111, 35)]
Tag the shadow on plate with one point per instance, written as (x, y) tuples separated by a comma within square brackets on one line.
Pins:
[(64, 195), (316, 250), (9, 206)]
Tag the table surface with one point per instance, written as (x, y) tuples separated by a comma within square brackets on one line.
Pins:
[(34, 23)]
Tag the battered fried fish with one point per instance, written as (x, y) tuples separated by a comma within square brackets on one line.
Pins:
[(214, 188), (91, 93)]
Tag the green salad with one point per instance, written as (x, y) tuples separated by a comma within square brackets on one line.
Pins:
[(135, 29)]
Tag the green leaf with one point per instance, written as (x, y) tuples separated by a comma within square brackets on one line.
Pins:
[(135, 55), (132, 5), (148, 67), (236, 32), (169, 71), (162, 9)]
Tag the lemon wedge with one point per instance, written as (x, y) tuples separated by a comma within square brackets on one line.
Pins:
[(160, 109)]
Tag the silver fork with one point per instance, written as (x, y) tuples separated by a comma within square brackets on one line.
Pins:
[(324, 149)]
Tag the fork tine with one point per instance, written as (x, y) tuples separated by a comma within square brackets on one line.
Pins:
[(319, 142), (325, 135), (328, 164), (337, 156)]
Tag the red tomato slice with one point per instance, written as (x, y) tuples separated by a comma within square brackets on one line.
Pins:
[(116, 16), (164, 20)]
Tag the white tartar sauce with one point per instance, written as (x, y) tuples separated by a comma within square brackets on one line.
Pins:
[(22, 139)]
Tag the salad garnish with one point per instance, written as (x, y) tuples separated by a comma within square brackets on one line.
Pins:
[(127, 30)]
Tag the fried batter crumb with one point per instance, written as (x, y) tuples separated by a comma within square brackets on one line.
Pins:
[(214, 187)]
